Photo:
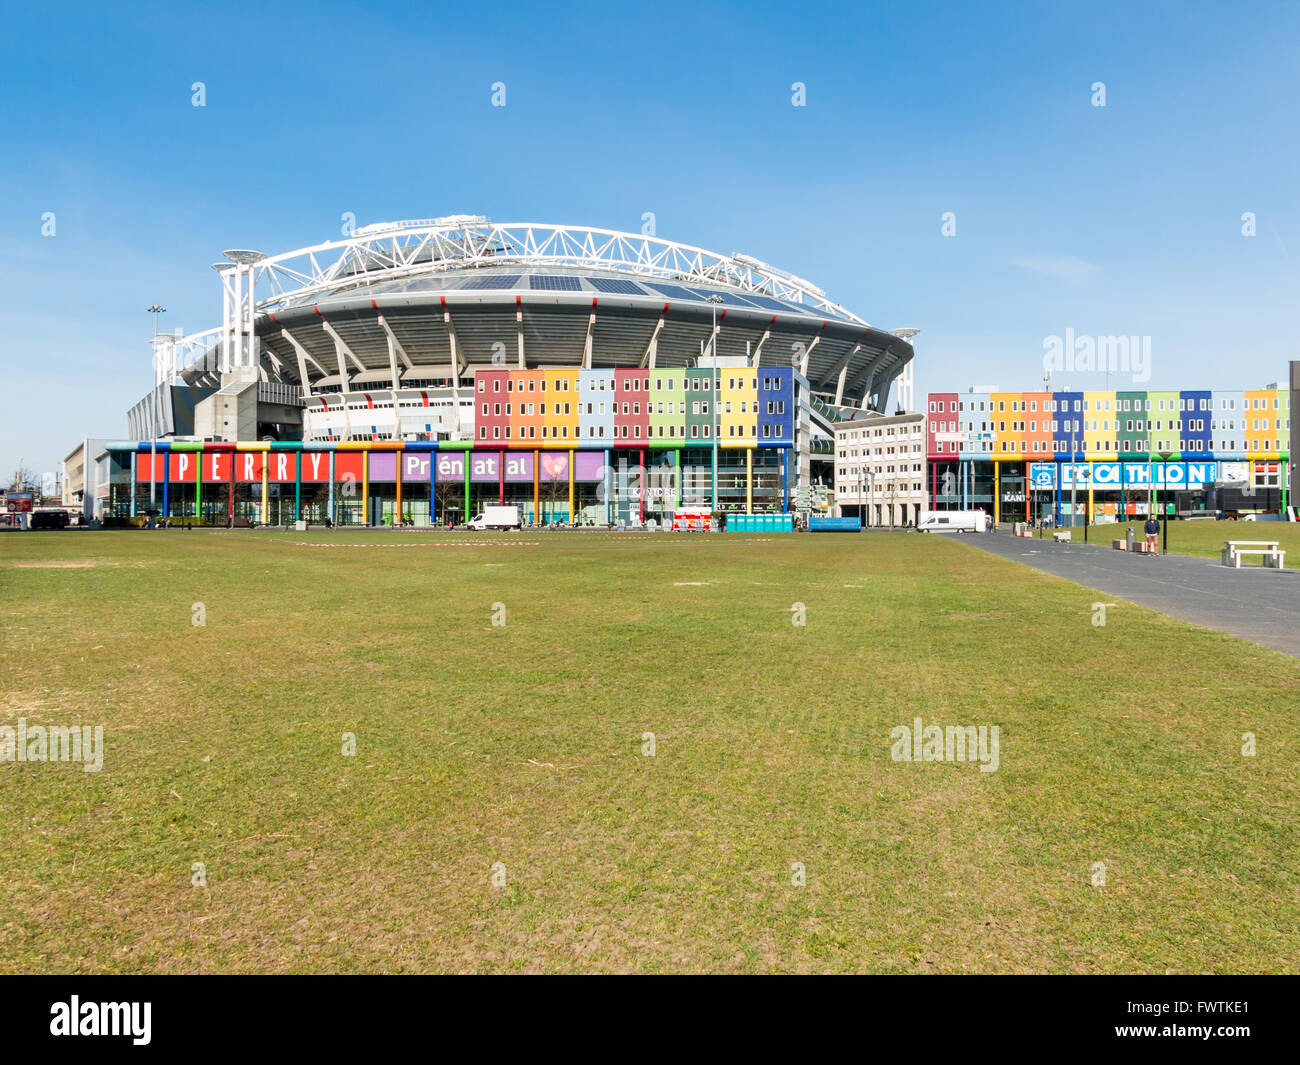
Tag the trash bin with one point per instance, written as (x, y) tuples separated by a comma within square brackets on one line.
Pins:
[(1131, 536)]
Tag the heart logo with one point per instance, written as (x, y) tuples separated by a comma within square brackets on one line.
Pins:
[(555, 466)]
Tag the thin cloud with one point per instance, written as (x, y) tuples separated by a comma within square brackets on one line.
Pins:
[(1067, 267)]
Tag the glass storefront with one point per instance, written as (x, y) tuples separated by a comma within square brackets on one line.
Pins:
[(626, 491)]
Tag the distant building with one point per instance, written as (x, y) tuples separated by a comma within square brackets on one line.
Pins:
[(880, 468), (85, 478), (1108, 454)]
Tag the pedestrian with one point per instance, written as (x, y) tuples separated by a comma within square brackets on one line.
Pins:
[(1152, 529)]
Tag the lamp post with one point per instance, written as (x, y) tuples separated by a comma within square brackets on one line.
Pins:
[(862, 506), (714, 300), (155, 309)]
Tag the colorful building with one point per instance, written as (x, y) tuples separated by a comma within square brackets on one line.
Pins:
[(1114, 453), (563, 444)]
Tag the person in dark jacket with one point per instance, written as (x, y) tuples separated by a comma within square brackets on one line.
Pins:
[(1152, 529)]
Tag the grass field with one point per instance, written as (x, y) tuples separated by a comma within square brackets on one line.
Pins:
[(524, 744), (1205, 538)]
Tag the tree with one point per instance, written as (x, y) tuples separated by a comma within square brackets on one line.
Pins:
[(26, 479), (553, 489), (449, 494)]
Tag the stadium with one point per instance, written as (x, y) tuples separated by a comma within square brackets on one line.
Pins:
[(416, 337)]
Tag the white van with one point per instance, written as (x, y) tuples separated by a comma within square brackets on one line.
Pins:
[(496, 518), (958, 521)]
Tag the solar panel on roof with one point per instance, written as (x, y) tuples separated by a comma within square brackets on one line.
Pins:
[(553, 283), (492, 281), (774, 305), (675, 292), (616, 285), (727, 297)]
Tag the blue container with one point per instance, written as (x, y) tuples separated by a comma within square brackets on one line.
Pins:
[(834, 524)]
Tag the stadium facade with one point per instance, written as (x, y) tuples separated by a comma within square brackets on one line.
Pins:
[(590, 356), (1108, 453)]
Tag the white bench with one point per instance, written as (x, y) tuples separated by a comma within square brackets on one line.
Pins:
[(1061, 537), (1233, 550)]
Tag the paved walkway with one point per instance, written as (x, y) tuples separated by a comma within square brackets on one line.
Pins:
[(1256, 604)]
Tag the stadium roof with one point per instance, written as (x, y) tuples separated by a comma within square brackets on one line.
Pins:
[(404, 302)]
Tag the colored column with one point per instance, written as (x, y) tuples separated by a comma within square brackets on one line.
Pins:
[(997, 491), (785, 480), (297, 488), (198, 486), (537, 487), (1088, 520), (609, 489), (573, 457), (230, 496), (501, 476), (677, 462), (167, 480), (133, 480), (397, 516), (1060, 471), (749, 480), (365, 487), (466, 516), (330, 503), (266, 489)]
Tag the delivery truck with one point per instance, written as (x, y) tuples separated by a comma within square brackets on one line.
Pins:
[(954, 521), (496, 518)]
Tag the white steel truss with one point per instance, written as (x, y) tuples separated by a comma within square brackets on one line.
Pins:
[(254, 285)]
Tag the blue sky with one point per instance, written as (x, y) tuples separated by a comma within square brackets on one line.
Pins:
[(1117, 220)]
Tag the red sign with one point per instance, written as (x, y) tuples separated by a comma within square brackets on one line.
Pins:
[(217, 465), (19, 503), (248, 466), (182, 465), (347, 466), (143, 463), (315, 465), (283, 466)]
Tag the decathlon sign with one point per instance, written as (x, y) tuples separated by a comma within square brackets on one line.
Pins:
[(1042, 475), (1171, 475)]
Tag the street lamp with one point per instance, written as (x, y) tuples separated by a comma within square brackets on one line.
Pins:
[(155, 309), (862, 506), (714, 300)]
